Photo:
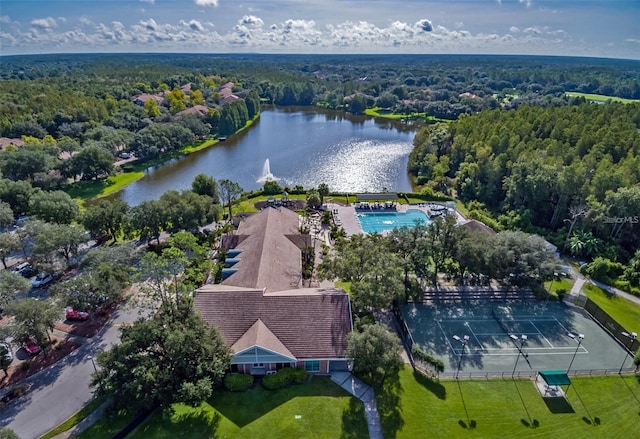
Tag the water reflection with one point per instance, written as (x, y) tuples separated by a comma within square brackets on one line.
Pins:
[(304, 147)]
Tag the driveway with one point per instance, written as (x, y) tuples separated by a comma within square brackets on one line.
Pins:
[(62, 389)]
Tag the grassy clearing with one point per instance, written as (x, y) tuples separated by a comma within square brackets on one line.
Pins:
[(318, 409), (596, 407), (75, 419), (555, 285), (623, 311), (600, 98)]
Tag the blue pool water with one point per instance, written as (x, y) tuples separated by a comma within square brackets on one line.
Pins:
[(382, 222)]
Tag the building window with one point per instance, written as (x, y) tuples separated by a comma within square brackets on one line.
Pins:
[(312, 366)]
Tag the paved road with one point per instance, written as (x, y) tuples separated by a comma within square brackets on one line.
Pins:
[(62, 389)]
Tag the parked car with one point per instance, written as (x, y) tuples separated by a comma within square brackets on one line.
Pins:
[(72, 314), (42, 280), (125, 155), (5, 351), (31, 346), (24, 269)]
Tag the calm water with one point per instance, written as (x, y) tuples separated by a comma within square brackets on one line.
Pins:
[(383, 222), (304, 147)]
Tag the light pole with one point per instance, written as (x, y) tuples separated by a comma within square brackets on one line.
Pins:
[(92, 362), (631, 338), (522, 339), (464, 340), (579, 338)]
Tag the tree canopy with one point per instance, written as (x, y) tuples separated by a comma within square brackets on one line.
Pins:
[(169, 358)]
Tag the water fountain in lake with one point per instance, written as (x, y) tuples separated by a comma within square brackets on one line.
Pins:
[(266, 173)]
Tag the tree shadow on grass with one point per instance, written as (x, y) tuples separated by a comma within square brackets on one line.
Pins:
[(242, 408), (431, 385), (354, 424), (199, 423), (389, 405)]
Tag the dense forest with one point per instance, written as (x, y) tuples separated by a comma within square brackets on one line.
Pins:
[(516, 148)]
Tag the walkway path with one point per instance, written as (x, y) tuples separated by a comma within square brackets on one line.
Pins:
[(364, 393)]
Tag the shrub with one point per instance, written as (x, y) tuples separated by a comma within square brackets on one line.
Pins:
[(284, 377), (435, 363), (25, 365), (236, 382)]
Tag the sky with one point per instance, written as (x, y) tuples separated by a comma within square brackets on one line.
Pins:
[(595, 28)]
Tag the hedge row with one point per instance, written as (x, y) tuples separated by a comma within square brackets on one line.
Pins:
[(422, 356), (236, 382), (284, 377)]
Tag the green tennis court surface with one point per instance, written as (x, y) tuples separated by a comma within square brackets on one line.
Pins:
[(495, 331)]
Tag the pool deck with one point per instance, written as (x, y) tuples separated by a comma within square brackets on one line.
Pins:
[(347, 215)]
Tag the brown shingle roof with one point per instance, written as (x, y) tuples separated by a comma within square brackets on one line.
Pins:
[(269, 258), (477, 226), (310, 323)]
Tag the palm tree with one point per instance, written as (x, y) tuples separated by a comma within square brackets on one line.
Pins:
[(323, 191)]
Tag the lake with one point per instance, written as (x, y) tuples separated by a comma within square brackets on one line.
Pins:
[(303, 147)]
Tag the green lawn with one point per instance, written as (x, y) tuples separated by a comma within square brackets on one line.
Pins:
[(107, 427), (623, 311), (318, 409), (596, 407), (600, 98)]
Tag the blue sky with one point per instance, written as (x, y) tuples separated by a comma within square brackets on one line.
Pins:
[(607, 28)]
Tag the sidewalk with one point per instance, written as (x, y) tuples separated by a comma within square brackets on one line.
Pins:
[(364, 393), (84, 424)]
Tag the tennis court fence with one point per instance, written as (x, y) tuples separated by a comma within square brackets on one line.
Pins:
[(606, 321), (531, 374)]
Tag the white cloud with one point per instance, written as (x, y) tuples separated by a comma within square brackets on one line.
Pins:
[(44, 23), (207, 2), (292, 35), (425, 25), (632, 40), (148, 1), (5, 19), (192, 24), (251, 21), (149, 24)]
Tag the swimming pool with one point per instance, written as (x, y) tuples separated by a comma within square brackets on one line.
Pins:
[(382, 222)]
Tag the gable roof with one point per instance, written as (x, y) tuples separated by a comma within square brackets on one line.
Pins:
[(270, 258), (260, 335), (308, 322)]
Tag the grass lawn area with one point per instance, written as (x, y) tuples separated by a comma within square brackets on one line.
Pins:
[(559, 284), (318, 409), (623, 311), (600, 98), (596, 407), (108, 426)]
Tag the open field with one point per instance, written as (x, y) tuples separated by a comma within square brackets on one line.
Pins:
[(596, 407), (623, 311), (600, 98), (318, 409)]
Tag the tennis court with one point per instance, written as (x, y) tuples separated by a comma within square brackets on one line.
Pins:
[(521, 336)]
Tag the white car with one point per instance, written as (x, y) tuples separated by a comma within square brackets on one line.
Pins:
[(41, 280)]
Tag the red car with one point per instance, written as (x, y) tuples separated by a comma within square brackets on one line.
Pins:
[(77, 315), (31, 346)]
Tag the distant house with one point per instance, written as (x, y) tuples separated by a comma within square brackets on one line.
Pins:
[(267, 318), (477, 226), (140, 99), (196, 109), (226, 94), (6, 141)]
